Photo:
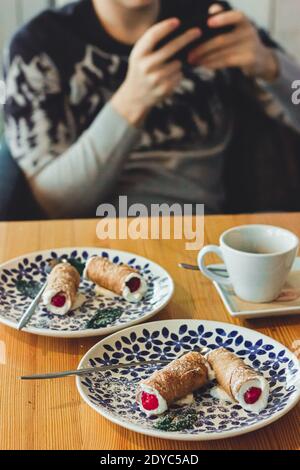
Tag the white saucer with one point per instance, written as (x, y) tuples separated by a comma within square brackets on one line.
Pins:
[(287, 304)]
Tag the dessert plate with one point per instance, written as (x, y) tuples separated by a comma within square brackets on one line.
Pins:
[(112, 394), (21, 278)]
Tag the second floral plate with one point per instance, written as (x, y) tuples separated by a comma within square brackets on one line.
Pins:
[(113, 393)]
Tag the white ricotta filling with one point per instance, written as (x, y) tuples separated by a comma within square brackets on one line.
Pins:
[(220, 394), (104, 292)]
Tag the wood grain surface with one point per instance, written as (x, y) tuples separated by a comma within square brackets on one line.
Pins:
[(50, 414)]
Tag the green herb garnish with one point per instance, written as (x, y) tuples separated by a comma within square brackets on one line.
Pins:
[(28, 288), (177, 420), (104, 318)]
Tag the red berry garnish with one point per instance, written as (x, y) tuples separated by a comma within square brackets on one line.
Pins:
[(58, 300), (252, 395), (133, 284), (149, 401)]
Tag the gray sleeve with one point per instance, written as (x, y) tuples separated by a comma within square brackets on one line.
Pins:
[(276, 97), (75, 182)]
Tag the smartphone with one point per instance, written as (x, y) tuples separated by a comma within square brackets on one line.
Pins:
[(195, 14)]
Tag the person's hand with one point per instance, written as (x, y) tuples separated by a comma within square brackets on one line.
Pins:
[(152, 74), (240, 48)]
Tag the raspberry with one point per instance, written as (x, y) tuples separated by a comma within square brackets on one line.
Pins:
[(58, 300), (252, 395), (149, 401), (133, 284)]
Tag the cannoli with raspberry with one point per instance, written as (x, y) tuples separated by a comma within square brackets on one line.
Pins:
[(60, 295), (120, 279), (238, 381), (172, 383)]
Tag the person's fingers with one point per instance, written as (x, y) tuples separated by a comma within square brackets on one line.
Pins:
[(215, 8), (231, 57), (167, 88), (220, 42), (228, 18), (155, 34), (176, 78), (165, 72), (174, 46)]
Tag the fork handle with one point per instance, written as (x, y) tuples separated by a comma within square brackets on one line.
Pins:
[(89, 370), (31, 309)]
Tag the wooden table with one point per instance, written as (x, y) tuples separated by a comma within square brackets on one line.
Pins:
[(50, 414)]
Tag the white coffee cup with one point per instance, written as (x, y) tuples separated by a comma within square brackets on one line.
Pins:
[(258, 259)]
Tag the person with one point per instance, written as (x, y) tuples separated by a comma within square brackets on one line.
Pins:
[(97, 106)]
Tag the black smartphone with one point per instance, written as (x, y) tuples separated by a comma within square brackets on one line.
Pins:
[(195, 14)]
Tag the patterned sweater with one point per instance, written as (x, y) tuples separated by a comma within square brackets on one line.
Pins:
[(76, 151)]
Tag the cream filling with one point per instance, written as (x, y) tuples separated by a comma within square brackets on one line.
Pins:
[(220, 394), (138, 295), (261, 403), (79, 301), (104, 292), (67, 307)]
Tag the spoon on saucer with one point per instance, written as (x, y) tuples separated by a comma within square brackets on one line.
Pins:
[(221, 271)]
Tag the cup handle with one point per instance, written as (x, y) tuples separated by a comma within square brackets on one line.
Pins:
[(210, 275)]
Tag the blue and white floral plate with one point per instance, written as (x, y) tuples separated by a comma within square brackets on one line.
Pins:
[(30, 269), (112, 394)]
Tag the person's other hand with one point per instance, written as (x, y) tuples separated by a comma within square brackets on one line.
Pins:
[(240, 48), (152, 74)]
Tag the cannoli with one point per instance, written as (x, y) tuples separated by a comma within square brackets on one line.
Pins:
[(120, 279), (172, 383), (60, 295), (239, 382)]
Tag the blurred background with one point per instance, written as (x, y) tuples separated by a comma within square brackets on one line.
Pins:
[(280, 18)]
